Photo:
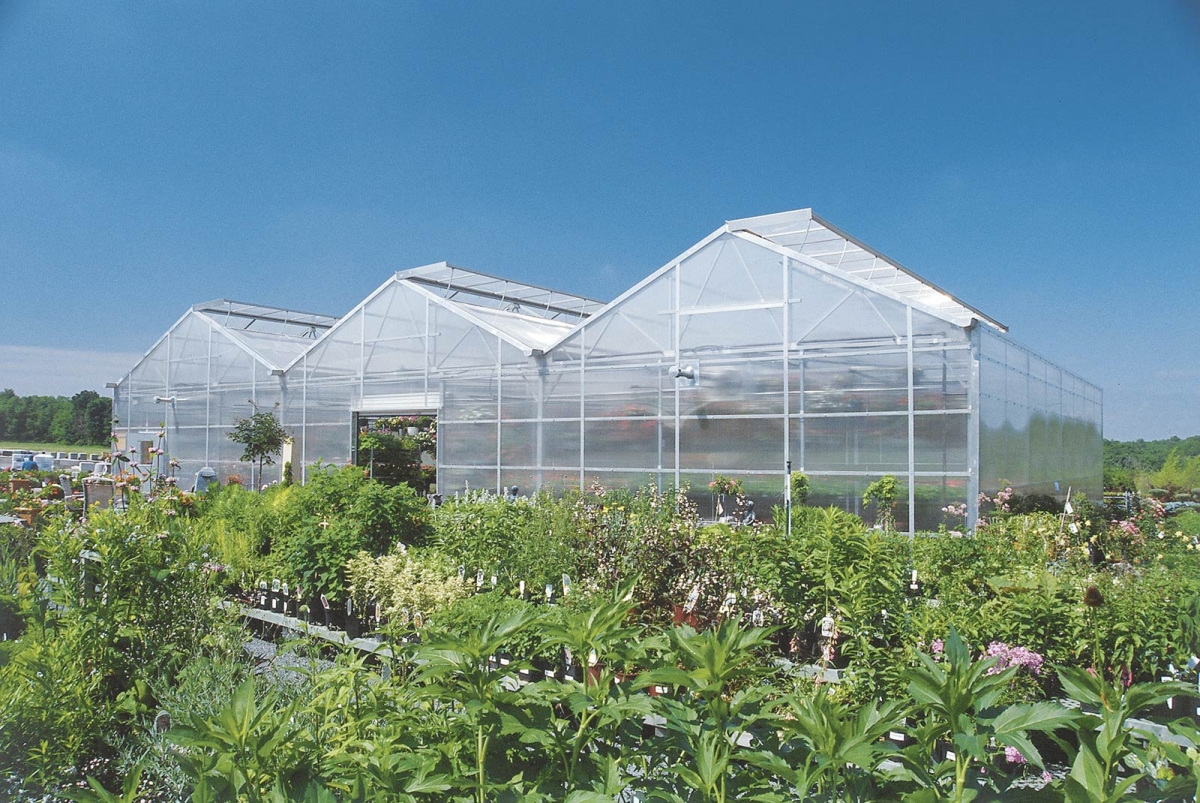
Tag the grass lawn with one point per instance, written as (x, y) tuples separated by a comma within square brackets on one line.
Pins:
[(55, 447)]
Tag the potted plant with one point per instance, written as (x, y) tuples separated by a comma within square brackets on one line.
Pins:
[(722, 487)]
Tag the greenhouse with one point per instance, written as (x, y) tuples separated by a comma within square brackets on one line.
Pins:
[(776, 344)]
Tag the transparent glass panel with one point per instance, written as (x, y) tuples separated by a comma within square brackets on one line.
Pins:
[(639, 391), (560, 444), (940, 442), (339, 353), (469, 398), (466, 444), (722, 332), (556, 482), (631, 444), (867, 382), (524, 480), (392, 328), (764, 490), (724, 387), (519, 395), (931, 330), (329, 443), (731, 444), (561, 388), (456, 343), (854, 443), (730, 271), (455, 481), (518, 444), (641, 325), (1038, 430), (626, 479), (942, 380), (934, 493)]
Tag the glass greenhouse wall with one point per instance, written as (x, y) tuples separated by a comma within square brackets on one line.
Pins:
[(775, 342), (220, 362)]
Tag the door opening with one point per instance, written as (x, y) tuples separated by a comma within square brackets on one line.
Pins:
[(398, 447)]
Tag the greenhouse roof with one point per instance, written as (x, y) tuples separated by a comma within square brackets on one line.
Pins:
[(273, 335), (480, 289), (242, 316), (806, 234), (536, 334), (536, 319)]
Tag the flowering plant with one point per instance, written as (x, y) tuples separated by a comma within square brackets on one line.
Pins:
[(1007, 656), (725, 486)]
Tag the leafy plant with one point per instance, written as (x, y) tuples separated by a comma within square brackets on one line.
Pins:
[(799, 487), (1105, 741), (883, 492), (261, 436), (237, 754), (459, 670), (957, 699), (422, 580)]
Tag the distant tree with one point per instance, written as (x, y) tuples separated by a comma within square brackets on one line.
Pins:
[(83, 418), (97, 421), (261, 436), (62, 424)]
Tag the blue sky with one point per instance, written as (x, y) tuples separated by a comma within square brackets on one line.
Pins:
[(1041, 161)]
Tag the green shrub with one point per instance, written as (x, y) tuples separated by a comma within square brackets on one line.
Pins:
[(528, 539), (132, 604), (332, 518), (423, 580)]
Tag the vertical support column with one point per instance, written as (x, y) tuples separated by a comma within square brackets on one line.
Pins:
[(425, 386), (437, 452), (658, 425), (304, 421), (787, 402), (974, 422), (541, 368), (912, 444), (208, 423), (362, 351), (167, 369), (499, 404), (164, 426), (675, 347), (583, 333), (283, 413)]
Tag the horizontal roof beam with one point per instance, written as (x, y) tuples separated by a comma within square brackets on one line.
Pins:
[(481, 293)]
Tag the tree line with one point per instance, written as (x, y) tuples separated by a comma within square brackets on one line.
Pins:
[(84, 419), (1171, 463)]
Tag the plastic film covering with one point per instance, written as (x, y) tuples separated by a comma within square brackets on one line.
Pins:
[(192, 387), (1041, 427)]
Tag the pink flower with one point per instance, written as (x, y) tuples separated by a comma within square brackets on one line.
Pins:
[(937, 647), (1013, 756), (1007, 656)]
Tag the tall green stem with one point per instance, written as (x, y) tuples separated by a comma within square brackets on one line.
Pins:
[(960, 776), (480, 751)]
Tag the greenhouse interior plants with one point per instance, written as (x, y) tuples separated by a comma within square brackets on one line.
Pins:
[(776, 344)]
